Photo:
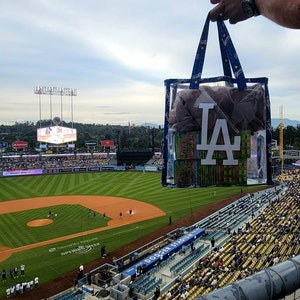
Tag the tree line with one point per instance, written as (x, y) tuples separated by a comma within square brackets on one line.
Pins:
[(124, 137)]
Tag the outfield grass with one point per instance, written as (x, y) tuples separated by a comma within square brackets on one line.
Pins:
[(52, 261)]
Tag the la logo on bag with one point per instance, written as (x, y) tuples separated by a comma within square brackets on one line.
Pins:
[(220, 128)]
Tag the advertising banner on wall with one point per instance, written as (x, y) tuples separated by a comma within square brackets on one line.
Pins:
[(107, 143), (19, 145)]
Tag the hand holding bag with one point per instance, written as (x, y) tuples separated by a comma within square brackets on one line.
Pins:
[(217, 130)]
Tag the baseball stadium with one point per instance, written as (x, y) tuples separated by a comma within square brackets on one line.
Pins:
[(203, 218)]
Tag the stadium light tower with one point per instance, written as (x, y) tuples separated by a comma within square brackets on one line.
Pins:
[(46, 90), (281, 127)]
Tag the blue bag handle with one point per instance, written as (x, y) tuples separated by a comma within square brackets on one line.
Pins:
[(225, 60), (230, 58)]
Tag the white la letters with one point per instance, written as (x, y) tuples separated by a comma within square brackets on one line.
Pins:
[(221, 125)]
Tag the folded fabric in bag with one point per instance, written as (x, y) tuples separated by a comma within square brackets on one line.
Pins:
[(217, 130), (243, 109)]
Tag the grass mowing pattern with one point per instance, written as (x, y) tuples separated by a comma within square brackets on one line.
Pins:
[(48, 264), (70, 219)]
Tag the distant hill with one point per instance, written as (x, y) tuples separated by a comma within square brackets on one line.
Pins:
[(274, 122), (286, 122)]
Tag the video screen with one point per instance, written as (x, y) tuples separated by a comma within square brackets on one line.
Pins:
[(56, 135)]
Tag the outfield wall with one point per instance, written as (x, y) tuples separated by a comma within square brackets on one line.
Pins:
[(12, 173)]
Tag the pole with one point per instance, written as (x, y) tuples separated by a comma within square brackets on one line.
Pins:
[(72, 108), (50, 93), (40, 106), (61, 105)]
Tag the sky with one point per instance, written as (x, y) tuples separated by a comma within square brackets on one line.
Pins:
[(118, 53)]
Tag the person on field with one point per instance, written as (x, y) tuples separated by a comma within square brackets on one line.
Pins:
[(283, 12), (22, 269), (8, 292), (103, 251), (80, 272), (21, 291), (16, 272), (11, 272), (3, 275), (36, 281), (18, 285)]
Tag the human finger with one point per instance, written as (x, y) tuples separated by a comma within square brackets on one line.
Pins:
[(233, 21), (216, 12)]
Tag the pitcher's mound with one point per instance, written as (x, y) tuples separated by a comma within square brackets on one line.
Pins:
[(39, 222)]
